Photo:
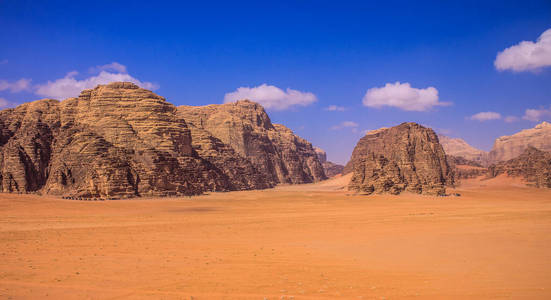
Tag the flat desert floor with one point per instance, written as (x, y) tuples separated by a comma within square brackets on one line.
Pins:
[(292, 242)]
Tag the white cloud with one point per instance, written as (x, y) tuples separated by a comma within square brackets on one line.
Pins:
[(402, 96), (345, 124), (537, 114), (335, 108), (486, 116), (16, 86), (272, 97), (69, 86), (510, 119), (526, 55), (4, 103), (114, 66)]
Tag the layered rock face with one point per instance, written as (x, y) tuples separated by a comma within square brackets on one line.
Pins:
[(115, 140), (459, 148), (533, 165), (279, 155), (407, 157), (508, 147), (331, 169), (465, 169)]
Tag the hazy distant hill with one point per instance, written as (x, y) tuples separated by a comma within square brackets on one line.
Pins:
[(459, 148), (508, 147)]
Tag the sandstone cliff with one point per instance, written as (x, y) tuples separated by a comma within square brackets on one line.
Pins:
[(459, 148), (464, 168), (331, 169), (278, 154), (405, 157), (508, 147), (115, 140), (533, 165)]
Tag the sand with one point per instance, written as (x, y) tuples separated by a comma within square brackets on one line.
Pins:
[(307, 242)]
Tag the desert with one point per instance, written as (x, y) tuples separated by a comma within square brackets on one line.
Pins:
[(275, 150), (313, 241)]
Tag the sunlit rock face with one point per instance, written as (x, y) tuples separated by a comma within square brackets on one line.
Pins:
[(508, 147), (407, 157), (459, 148), (280, 156), (116, 140), (533, 165)]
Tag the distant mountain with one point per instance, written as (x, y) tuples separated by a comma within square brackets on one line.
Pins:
[(508, 147), (459, 148), (331, 169), (533, 165)]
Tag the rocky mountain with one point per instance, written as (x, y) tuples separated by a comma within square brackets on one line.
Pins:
[(464, 168), (331, 169), (459, 148), (119, 140), (533, 165), (508, 147), (407, 157), (273, 149)]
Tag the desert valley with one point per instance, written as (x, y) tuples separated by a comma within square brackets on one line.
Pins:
[(275, 150), (120, 194)]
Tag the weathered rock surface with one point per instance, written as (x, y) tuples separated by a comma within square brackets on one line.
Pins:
[(407, 157), (533, 165), (508, 147), (459, 148), (331, 169), (115, 140), (464, 168), (273, 149)]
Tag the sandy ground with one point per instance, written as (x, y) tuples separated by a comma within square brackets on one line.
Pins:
[(307, 242)]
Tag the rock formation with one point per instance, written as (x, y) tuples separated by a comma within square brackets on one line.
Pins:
[(331, 169), (278, 154), (459, 148), (115, 140), (464, 168), (407, 157), (533, 165), (508, 147)]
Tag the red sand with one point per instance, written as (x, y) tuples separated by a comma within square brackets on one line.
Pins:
[(310, 242)]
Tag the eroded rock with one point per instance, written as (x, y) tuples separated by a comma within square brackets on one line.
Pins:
[(274, 150), (115, 140), (509, 147), (533, 165), (407, 157)]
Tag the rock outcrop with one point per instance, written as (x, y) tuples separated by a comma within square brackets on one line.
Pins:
[(508, 147), (464, 168), (459, 148), (407, 157), (533, 165), (273, 149), (331, 169), (115, 140)]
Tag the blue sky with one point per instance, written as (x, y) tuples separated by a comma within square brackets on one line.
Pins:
[(327, 53)]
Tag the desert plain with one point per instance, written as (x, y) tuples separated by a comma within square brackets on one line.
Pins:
[(312, 241)]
